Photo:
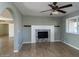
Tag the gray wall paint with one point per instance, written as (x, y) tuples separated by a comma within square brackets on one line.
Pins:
[(72, 39), (32, 20), (35, 20), (17, 22)]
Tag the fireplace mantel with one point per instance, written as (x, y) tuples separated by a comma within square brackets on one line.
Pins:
[(47, 27)]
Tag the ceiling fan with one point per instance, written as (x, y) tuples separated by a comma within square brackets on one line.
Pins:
[(55, 8)]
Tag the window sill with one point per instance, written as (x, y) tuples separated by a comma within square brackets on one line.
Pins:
[(73, 33)]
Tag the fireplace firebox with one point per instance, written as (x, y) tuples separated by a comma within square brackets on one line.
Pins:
[(42, 34)]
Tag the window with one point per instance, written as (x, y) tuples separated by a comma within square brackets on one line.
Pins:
[(72, 25)]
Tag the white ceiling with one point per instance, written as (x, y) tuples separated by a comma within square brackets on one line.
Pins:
[(34, 8)]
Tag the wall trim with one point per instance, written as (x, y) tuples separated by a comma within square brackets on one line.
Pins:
[(26, 42), (57, 40), (71, 45), (16, 51)]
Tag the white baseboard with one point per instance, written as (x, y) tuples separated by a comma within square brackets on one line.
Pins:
[(15, 51), (71, 45), (26, 42), (57, 40)]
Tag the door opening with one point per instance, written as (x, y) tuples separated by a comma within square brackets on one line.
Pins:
[(6, 32)]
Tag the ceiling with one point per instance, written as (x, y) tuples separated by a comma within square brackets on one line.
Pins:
[(34, 8)]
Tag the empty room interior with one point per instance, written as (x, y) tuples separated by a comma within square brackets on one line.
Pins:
[(39, 29)]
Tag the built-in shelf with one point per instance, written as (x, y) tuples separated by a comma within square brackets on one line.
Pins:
[(27, 25), (57, 26)]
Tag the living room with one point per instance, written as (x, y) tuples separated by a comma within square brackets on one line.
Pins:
[(42, 30)]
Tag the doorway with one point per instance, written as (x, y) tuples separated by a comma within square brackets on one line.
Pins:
[(6, 33)]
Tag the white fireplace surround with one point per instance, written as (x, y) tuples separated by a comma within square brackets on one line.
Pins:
[(42, 27)]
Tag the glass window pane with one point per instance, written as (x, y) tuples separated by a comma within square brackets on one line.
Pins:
[(71, 25)]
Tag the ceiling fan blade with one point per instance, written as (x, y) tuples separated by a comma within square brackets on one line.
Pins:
[(65, 6), (46, 10), (61, 11), (51, 6)]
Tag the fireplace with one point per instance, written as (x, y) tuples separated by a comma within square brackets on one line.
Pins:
[(42, 34)]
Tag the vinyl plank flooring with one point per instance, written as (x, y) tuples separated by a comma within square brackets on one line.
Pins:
[(56, 49), (44, 49)]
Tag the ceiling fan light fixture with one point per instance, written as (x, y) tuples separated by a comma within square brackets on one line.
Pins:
[(56, 9), (55, 12)]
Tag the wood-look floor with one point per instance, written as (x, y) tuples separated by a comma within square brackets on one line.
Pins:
[(6, 46), (56, 49)]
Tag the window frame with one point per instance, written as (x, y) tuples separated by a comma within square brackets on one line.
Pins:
[(67, 24)]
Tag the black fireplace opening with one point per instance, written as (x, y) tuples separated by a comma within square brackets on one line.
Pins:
[(42, 34)]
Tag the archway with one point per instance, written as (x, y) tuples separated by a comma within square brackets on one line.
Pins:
[(17, 17), (6, 32)]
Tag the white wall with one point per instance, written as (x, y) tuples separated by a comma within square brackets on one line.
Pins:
[(32, 20)]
